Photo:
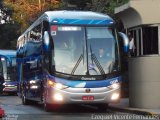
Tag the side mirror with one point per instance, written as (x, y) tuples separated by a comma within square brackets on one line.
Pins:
[(125, 41), (46, 41)]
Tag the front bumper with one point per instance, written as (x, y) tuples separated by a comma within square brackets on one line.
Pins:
[(75, 95), (10, 89)]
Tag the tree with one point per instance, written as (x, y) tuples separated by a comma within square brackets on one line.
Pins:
[(99, 5), (8, 28), (113, 4), (9, 35), (5, 14), (103, 6), (26, 11), (74, 4)]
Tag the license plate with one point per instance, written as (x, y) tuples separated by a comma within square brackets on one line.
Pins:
[(88, 98)]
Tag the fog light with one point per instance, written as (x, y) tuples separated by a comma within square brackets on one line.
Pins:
[(58, 97), (115, 96)]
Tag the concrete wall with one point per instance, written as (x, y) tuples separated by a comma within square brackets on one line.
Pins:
[(144, 82), (130, 18), (138, 12), (148, 10)]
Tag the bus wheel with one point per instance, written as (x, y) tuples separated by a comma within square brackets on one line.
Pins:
[(47, 107), (24, 100)]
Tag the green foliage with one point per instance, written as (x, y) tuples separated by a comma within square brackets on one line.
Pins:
[(74, 4), (26, 11), (99, 5), (8, 36), (109, 9), (103, 6)]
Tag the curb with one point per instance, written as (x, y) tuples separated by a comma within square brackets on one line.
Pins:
[(2, 113), (132, 110)]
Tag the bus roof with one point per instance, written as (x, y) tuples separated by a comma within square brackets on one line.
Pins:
[(78, 17), (65, 17), (8, 53)]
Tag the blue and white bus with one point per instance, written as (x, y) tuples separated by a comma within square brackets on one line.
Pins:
[(1, 77), (60, 61), (8, 70)]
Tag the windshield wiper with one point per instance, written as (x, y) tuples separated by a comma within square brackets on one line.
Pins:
[(94, 58), (77, 64)]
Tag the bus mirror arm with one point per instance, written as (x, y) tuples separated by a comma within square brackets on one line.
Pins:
[(125, 41)]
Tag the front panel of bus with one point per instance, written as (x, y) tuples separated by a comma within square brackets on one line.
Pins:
[(85, 65), (9, 66)]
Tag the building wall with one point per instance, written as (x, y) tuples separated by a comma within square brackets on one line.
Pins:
[(148, 10), (139, 12), (130, 18)]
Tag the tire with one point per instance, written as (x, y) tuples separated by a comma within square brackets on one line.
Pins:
[(51, 107), (47, 107), (24, 100)]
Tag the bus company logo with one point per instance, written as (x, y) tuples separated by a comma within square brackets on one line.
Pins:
[(88, 90), (113, 81), (86, 78)]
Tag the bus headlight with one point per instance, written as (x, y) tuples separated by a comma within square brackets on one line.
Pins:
[(114, 86), (115, 96), (56, 85), (59, 86), (3, 59), (4, 84)]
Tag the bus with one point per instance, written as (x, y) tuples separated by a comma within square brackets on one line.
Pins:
[(58, 60), (1, 78), (8, 71)]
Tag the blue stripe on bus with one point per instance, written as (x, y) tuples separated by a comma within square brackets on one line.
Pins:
[(8, 57), (80, 21), (86, 83), (29, 58)]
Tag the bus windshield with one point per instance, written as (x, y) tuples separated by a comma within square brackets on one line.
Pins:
[(84, 50), (10, 70), (1, 68)]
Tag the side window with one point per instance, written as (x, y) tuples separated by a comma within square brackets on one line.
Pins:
[(36, 34), (32, 68)]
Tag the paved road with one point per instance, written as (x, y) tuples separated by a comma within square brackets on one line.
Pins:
[(16, 111)]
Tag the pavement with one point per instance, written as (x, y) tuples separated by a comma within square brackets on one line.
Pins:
[(123, 106)]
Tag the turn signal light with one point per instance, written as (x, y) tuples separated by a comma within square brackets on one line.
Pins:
[(56, 85)]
